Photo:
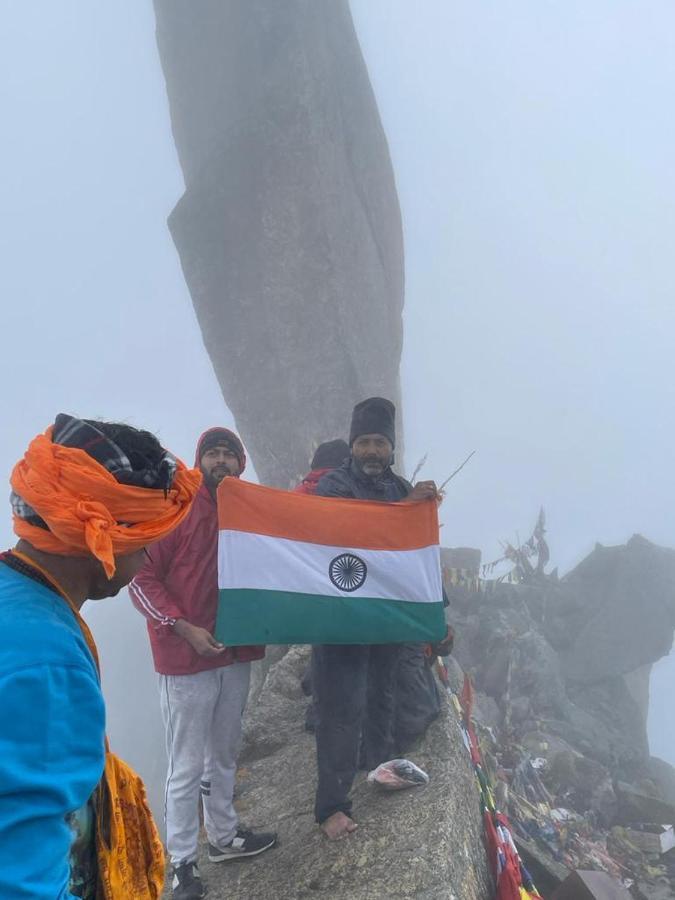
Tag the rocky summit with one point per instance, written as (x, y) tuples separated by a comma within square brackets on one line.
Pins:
[(424, 842)]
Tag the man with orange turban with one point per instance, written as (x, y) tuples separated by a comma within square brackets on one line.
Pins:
[(87, 497)]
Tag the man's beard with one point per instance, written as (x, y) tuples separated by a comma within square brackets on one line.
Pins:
[(214, 478), (362, 464)]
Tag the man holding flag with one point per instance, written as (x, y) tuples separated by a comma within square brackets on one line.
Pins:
[(203, 683), (357, 579), (354, 684)]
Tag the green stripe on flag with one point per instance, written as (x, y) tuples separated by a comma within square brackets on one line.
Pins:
[(283, 617)]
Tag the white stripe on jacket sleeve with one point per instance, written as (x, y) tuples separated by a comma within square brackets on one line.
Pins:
[(151, 611)]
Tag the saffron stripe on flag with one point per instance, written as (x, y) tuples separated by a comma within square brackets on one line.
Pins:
[(263, 617), (247, 507)]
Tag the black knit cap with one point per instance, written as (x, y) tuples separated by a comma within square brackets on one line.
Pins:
[(374, 416), (330, 454)]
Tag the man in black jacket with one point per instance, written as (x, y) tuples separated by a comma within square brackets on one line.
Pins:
[(354, 684)]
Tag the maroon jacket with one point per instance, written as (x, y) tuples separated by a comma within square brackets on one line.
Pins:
[(180, 581)]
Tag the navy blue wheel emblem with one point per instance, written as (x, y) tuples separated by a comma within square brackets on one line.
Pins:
[(347, 572)]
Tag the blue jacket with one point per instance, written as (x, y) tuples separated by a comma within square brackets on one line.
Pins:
[(52, 727)]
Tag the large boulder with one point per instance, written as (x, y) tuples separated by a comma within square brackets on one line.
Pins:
[(289, 230), (619, 609), (425, 843)]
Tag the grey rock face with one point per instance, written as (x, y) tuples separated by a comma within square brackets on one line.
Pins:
[(289, 231), (422, 843), (663, 775), (573, 658), (623, 602)]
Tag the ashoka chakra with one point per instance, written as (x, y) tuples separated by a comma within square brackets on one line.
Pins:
[(347, 572)]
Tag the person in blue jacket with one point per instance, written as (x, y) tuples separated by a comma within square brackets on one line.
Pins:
[(52, 715)]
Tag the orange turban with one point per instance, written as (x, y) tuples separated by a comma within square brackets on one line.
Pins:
[(87, 511)]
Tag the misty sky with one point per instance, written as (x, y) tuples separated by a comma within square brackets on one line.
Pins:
[(533, 145)]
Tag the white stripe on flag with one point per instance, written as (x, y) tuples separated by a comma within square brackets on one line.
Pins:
[(258, 562)]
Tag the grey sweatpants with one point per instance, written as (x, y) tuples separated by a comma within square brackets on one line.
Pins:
[(202, 714)]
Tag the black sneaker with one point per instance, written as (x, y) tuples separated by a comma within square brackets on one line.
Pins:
[(186, 884), (244, 843)]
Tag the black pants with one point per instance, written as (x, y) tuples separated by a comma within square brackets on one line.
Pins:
[(354, 689)]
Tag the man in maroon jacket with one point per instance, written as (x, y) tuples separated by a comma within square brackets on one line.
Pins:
[(203, 684)]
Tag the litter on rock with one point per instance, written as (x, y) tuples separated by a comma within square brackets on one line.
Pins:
[(398, 774)]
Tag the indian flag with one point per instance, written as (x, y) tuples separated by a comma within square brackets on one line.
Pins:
[(299, 569)]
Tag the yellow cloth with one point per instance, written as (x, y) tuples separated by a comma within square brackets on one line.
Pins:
[(129, 850)]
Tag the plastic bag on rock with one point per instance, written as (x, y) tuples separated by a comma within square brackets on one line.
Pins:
[(398, 774)]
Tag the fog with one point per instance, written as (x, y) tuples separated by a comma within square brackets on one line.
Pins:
[(533, 146)]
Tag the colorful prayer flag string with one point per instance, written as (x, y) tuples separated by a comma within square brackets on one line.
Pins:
[(512, 880)]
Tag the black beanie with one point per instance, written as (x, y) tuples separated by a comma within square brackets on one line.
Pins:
[(330, 454), (374, 416)]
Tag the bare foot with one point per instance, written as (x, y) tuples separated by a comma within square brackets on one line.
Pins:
[(338, 826)]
